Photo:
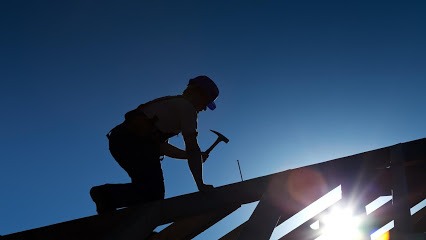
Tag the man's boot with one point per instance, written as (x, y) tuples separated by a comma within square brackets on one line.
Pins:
[(101, 195)]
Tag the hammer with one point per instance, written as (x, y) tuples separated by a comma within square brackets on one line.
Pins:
[(219, 139)]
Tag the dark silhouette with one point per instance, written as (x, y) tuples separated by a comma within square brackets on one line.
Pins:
[(140, 142)]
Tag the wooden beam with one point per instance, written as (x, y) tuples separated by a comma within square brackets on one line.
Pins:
[(401, 209), (263, 220), (419, 220), (190, 227), (138, 222), (233, 235)]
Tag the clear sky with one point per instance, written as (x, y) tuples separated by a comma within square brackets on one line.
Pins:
[(301, 82)]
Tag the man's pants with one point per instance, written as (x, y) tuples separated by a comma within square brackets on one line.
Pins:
[(140, 158)]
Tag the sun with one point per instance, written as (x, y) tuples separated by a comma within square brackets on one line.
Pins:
[(340, 224)]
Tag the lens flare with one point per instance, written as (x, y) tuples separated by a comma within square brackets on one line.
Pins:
[(384, 236), (340, 224)]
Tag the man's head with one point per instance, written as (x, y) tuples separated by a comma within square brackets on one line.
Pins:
[(202, 91)]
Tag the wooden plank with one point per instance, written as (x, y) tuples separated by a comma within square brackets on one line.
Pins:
[(401, 209), (419, 221), (138, 222), (190, 227), (263, 220)]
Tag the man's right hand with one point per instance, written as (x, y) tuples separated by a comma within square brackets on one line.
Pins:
[(205, 187)]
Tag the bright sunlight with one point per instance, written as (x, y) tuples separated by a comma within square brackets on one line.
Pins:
[(340, 224)]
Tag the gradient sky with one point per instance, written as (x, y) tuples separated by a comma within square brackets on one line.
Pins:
[(301, 82)]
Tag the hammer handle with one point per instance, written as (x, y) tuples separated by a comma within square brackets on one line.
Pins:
[(212, 146)]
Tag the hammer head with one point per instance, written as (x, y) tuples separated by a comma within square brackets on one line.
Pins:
[(220, 136)]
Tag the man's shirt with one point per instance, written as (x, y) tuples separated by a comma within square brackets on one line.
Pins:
[(175, 115)]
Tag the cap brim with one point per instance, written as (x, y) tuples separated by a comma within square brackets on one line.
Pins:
[(212, 106)]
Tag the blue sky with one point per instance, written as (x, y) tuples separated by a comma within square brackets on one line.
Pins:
[(301, 82)]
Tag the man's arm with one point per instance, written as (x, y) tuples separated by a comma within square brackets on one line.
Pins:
[(177, 153), (172, 151), (195, 160)]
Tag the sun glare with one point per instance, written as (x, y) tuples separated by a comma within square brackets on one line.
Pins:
[(384, 236), (340, 224)]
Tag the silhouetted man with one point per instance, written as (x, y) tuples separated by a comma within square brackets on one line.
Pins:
[(139, 143)]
